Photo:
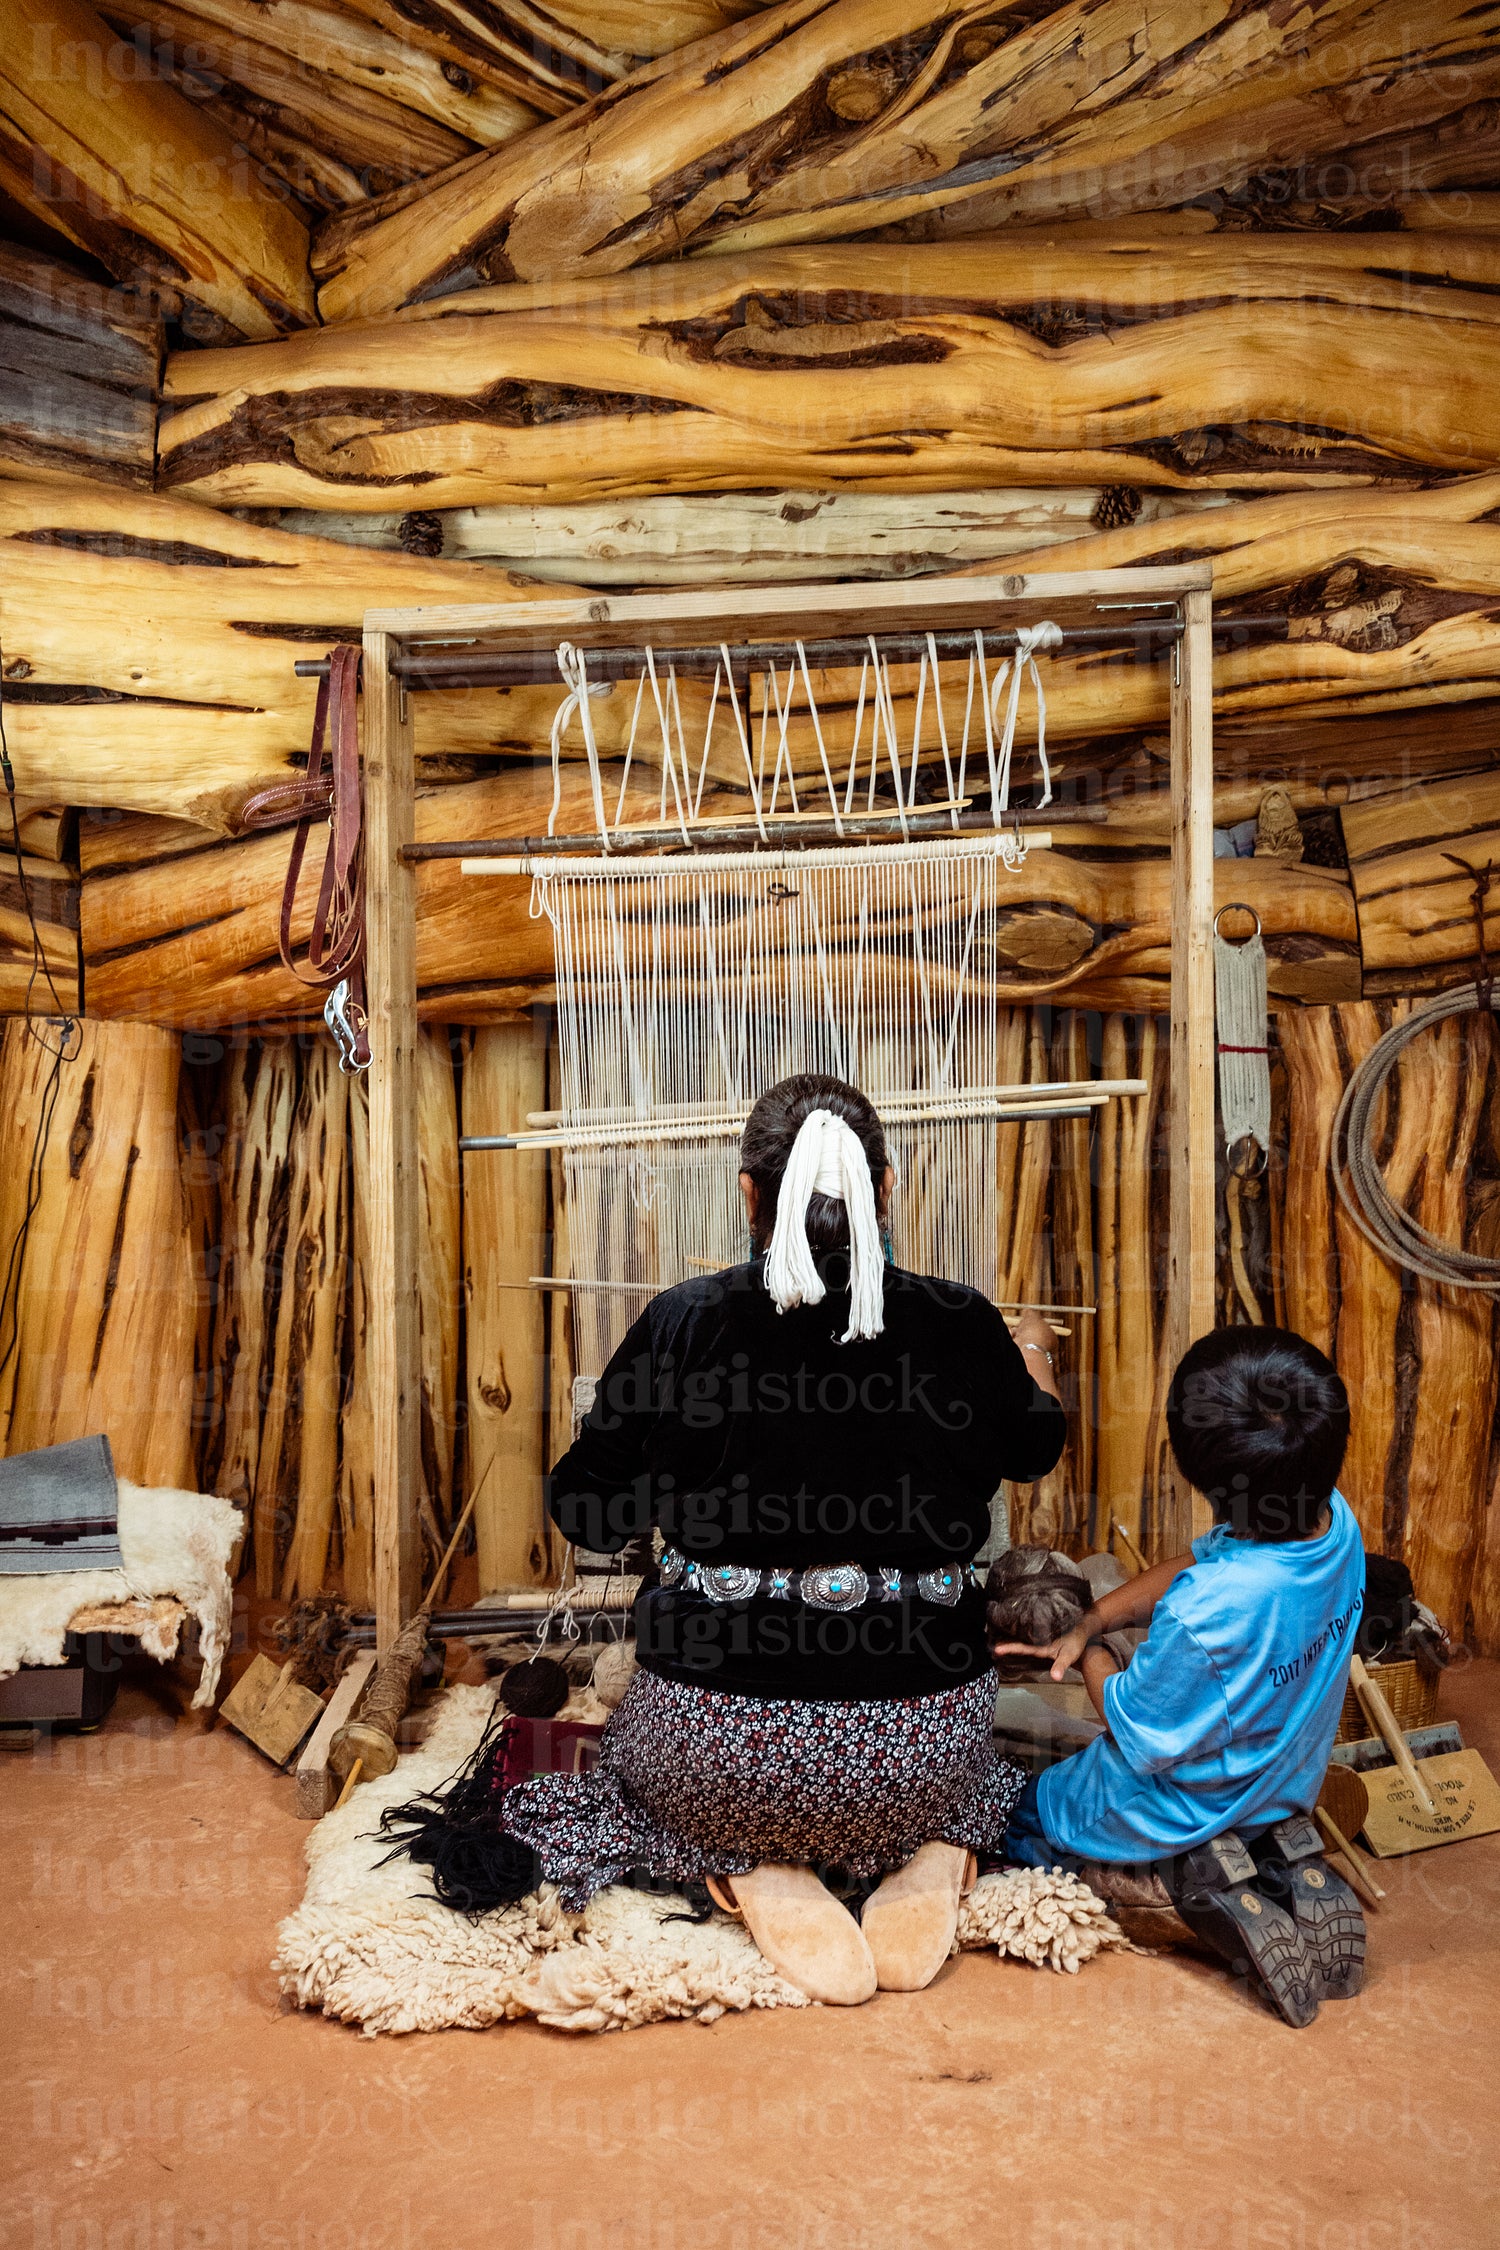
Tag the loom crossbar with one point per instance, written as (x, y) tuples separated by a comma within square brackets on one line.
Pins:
[(1003, 844)]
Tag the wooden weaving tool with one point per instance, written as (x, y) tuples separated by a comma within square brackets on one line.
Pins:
[(1413, 1807), (1340, 1812), (267, 1706), (365, 1748)]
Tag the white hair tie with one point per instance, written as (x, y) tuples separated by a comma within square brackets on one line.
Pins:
[(828, 1159)]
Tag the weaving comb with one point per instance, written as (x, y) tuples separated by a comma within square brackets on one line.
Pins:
[(269, 1709)]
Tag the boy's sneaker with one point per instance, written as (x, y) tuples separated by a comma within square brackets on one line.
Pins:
[(1216, 1891), (1292, 1873)]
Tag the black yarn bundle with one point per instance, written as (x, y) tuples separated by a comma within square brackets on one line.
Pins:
[(535, 1690), (1032, 1594), (456, 1832)]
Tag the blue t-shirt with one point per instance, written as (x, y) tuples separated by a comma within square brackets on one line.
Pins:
[(1226, 1714)]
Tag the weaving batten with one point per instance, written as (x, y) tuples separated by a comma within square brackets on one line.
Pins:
[(1240, 1007)]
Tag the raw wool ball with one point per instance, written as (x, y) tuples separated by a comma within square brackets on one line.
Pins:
[(1040, 1915), (1033, 1594), (614, 1672), (535, 1690)]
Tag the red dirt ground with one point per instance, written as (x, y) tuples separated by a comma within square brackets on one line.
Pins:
[(161, 2097)]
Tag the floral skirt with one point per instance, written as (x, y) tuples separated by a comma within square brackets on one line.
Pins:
[(693, 1782)]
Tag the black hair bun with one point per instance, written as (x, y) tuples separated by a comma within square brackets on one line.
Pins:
[(535, 1690)]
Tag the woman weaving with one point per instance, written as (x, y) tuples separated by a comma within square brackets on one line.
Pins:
[(817, 1435)]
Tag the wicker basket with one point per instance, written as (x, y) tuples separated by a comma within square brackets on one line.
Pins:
[(1411, 1695)]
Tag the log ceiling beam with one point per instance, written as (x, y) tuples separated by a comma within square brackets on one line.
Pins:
[(813, 121), (79, 368), (131, 172), (1228, 361)]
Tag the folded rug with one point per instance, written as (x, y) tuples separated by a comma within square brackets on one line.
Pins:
[(59, 1510), (371, 1946)]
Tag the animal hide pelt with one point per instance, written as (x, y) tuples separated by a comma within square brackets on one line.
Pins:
[(175, 1543), (364, 1948)]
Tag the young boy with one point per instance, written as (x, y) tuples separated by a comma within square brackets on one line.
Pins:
[(1219, 1731)]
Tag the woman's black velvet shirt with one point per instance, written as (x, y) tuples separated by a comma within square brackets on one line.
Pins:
[(752, 1436)]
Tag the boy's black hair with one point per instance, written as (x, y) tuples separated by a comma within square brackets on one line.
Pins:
[(1259, 1420)]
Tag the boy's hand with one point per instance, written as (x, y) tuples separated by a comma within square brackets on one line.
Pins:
[(1064, 1652)]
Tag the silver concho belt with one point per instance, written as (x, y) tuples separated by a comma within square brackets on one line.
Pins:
[(823, 1586)]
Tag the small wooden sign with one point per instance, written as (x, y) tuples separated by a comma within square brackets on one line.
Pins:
[(1465, 1792)]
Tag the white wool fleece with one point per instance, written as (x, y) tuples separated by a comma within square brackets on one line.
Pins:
[(176, 1543)]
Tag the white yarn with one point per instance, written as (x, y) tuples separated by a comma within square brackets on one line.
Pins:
[(828, 1159), (1244, 1063), (573, 665), (1029, 639)]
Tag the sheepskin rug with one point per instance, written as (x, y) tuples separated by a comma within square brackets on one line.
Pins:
[(365, 1945), (175, 1543)]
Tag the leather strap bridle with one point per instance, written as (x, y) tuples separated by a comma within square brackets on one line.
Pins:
[(336, 943)]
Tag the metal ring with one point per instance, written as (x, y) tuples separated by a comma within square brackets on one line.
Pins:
[(1237, 906), (1239, 1171)]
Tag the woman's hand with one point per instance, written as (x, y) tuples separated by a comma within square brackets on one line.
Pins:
[(1063, 1653), (1037, 1342)]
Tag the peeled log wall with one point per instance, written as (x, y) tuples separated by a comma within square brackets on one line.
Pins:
[(181, 926), (1231, 361), (115, 1290), (150, 645), (101, 1323), (286, 1429), (1418, 1359)]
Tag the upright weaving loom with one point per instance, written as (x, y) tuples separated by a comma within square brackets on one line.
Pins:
[(801, 841), (690, 980)]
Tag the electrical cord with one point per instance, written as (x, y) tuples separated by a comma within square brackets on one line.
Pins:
[(58, 1035), (1357, 1175)]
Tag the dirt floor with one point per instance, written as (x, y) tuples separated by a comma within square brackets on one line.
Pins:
[(162, 2097)]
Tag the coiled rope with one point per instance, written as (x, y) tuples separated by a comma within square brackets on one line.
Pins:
[(1357, 1175)]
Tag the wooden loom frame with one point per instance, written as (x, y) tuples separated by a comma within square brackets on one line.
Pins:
[(737, 615)]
